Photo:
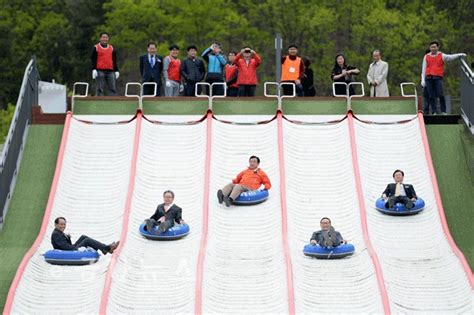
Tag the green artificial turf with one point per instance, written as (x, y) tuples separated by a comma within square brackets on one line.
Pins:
[(25, 213), (381, 106), (105, 107), (314, 107), (455, 184), (164, 107)]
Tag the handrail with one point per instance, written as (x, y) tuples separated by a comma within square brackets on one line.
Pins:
[(349, 105), (155, 89), (467, 95), (209, 104), (74, 95), (467, 70), (138, 96), (402, 85), (334, 84)]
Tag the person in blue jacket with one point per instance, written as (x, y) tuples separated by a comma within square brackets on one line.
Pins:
[(215, 67), (327, 236)]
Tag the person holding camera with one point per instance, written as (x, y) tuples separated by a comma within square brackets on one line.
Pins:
[(247, 62), (231, 74), (215, 67)]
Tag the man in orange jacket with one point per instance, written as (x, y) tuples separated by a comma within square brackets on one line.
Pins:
[(250, 179)]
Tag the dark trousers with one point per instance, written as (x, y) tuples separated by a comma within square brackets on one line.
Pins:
[(217, 89), (86, 241), (247, 90), (105, 78), (434, 86), (399, 199), (232, 91), (288, 90), (148, 89), (164, 225), (190, 88)]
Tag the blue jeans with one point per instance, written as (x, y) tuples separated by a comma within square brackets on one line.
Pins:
[(434, 88)]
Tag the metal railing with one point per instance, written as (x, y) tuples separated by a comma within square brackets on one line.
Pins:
[(467, 95), (75, 95), (279, 96), (210, 89), (415, 95), (14, 143)]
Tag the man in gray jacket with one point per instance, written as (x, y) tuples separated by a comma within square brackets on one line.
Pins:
[(327, 236)]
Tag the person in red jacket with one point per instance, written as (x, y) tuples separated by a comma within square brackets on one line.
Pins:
[(104, 66), (231, 74), (247, 62), (250, 179)]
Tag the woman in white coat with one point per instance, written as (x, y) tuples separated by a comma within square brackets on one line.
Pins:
[(377, 76)]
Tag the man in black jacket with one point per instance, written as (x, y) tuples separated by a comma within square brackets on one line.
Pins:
[(192, 72), (399, 192), (165, 215), (151, 67), (327, 236), (61, 240)]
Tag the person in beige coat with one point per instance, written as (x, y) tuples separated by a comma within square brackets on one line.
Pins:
[(377, 76)]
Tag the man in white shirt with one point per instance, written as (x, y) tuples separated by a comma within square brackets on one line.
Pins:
[(377, 76)]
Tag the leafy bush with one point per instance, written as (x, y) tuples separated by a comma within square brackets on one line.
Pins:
[(5, 120)]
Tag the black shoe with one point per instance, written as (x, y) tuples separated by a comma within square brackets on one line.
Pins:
[(220, 196), (149, 225), (227, 201)]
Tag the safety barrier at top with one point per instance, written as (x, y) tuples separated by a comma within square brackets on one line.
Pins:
[(266, 87)]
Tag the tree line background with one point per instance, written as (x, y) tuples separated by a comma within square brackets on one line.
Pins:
[(61, 34)]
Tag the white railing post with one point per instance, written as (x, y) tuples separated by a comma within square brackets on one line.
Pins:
[(282, 95), (209, 104), (346, 96), (137, 96), (74, 95), (349, 106), (142, 95), (402, 88)]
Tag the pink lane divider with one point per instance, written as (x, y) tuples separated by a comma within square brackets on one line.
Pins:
[(46, 218), (363, 218), (439, 203), (205, 219), (284, 217), (126, 216)]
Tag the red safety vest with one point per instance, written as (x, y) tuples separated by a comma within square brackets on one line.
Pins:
[(174, 69), (230, 72), (104, 57), (434, 65)]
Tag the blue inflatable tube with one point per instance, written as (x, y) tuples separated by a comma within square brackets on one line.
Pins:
[(71, 257), (175, 232), (400, 209), (251, 197), (320, 252)]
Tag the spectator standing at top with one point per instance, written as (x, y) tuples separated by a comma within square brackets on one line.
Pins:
[(151, 66), (215, 67), (172, 72), (308, 79), (192, 71), (247, 63), (231, 74), (343, 73), (292, 70), (432, 73), (377, 76), (104, 66)]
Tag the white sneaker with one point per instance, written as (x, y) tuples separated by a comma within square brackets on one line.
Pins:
[(443, 113)]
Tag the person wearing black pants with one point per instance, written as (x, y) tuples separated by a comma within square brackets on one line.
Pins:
[(247, 90), (61, 240), (192, 71)]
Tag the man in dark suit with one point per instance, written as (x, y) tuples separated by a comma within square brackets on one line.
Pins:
[(166, 214), (327, 236), (61, 240), (399, 192), (151, 66)]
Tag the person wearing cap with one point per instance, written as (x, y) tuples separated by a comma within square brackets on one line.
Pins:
[(172, 72), (247, 63), (399, 192), (292, 70), (251, 178), (192, 72), (215, 67), (231, 74), (104, 66), (151, 67)]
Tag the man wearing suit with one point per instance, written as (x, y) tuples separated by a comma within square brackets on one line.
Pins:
[(399, 192), (327, 236), (151, 66), (61, 240), (165, 215)]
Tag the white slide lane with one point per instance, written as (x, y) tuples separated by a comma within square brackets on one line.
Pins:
[(91, 195), (422, 273), (159, 276), (321, 183), (244, 266)]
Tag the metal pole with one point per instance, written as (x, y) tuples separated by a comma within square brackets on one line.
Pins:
[(278, 47)]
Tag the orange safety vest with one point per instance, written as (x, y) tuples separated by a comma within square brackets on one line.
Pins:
[(230, 72), (174, 69), (434, 65), (104, 57), (290, 69)]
